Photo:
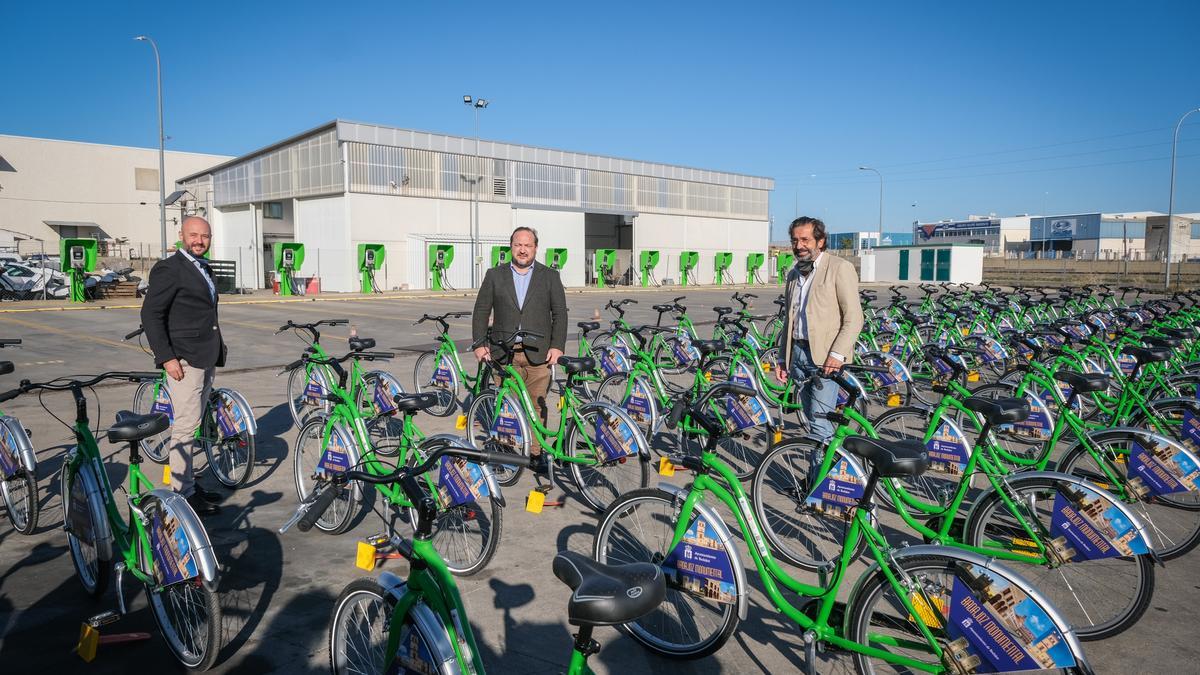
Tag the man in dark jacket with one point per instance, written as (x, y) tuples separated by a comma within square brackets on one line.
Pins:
[(529, 296), (179, 315)]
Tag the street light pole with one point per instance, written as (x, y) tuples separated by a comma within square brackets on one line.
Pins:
[(478, 104), (162, 178), (1171, 199), (867, 168)]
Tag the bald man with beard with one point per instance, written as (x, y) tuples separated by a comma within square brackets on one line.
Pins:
[(179, 316)]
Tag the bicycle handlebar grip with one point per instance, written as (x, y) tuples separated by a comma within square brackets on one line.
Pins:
[(335, 322), (732, 388), (132, 335), (294, 364), (676, 413), (4, 342), (142, 375), (10, 395), (318, 509)]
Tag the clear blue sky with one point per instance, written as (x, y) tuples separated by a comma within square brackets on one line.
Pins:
[(1005, 107)]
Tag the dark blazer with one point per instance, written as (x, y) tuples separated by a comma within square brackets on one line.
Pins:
[(180, 315), (545, 310)]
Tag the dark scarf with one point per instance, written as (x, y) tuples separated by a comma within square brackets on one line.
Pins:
[(805, 267)]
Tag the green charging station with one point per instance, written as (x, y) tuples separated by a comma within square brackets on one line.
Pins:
[(647, 261), (78, 257), (501, 255), (606, 262), (440, 257), (754, 262), (289, 256), (556, 258), (370, 258), (687, 265), (783, 263), (721, 262)]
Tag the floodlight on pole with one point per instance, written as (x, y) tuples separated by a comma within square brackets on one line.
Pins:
[(1171, 199), (162, 179), (478, 104)]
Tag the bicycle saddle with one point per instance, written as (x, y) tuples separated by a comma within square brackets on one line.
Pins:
[(6, 367), (415, 402), (707, 347), (663, 308), (1166, 342), (1147, 355), (576, 364), (607, 595), (361, 344), (722, 311), (999, 410), (1181, 333), (1083, 383), (588, 326), (905, 457), (131, 426)]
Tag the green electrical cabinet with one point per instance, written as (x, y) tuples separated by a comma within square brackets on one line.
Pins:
[(556, 258), (440, 258), (370, 259), (902, 274), (721, 262), (783, 263), (687, 262), (289, 256), (78, 257), (647, 261), (754, 261), (501, 255), (606, 262)]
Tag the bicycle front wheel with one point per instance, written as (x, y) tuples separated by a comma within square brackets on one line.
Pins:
[(83, 532), (1100, 598), (21, 501), (310, 449), (227, 439), (188, 615), (506, 432), (435, 374), (602, 479), (358, 634), (638, 527)]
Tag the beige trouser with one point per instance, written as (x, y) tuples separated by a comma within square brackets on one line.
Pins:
[(187, 399)]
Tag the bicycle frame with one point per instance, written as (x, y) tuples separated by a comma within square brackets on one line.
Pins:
[(550, 440)]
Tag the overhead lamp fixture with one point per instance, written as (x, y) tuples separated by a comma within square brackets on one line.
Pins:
[(467, 100), (481, 103)]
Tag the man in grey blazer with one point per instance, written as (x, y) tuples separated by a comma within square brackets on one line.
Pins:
[(529, 296), (824, 320)]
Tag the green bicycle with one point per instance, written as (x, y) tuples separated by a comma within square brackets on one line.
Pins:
[(601, 446), (920, 608), (420, 624), (468, 523), (18, 466), (163, 545), (440, 371)]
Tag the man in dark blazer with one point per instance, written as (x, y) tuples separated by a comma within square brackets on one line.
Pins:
[(526, 295), (179, 316)]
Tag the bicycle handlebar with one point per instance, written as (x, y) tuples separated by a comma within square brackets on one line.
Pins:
[(134, 334), (7, 342), (312, 327), (66, 384)]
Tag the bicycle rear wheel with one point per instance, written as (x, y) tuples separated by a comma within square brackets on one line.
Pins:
[(155, 447), (306, 387), (83, 531), (467, 534), (605, 479), (638, 527), (435, 374), (21, 501)]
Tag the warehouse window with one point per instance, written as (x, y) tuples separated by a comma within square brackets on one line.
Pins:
[(273, 210)]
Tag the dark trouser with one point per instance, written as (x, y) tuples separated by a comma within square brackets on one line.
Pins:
[(817, 398)]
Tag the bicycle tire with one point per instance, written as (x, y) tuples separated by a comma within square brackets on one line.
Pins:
[(455, 528), (300, 405), (778, 491), (20, 492), (231, 457), (1173, 524), (423, 380), (480, 420), (385, 430), (194, 640), (307, 454), (619, 541), (602, 482), (156, 447), (363, 606), (1070, 585), (91, 570)]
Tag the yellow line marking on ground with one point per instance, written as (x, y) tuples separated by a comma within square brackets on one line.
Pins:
[(83, 337), (272, 328)]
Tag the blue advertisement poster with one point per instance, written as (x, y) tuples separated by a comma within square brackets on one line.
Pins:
[(1089, 526), (947, 450), (1052, 400), (443, 377), (700, 564), (162, 403), (315, 389), (384, 396), (683, 349), (1039, 426), (613, 361), (841, 490), (506, 428), (993, 626), (639, 403), (993, 351), (616, 436), (461, 482), (413, 655), (336, 458), (8, 453), (1164, 468), (743, 412), (230, 417), (173, 559), (1191, 429)]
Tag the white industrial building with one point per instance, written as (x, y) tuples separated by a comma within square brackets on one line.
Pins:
[(52, 189), (345, 183)]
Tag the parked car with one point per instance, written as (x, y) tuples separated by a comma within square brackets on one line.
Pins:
[(47, 260), (19, 281), (10, 256)]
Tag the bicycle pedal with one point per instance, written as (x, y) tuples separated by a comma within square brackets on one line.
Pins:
[(104, 618)]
